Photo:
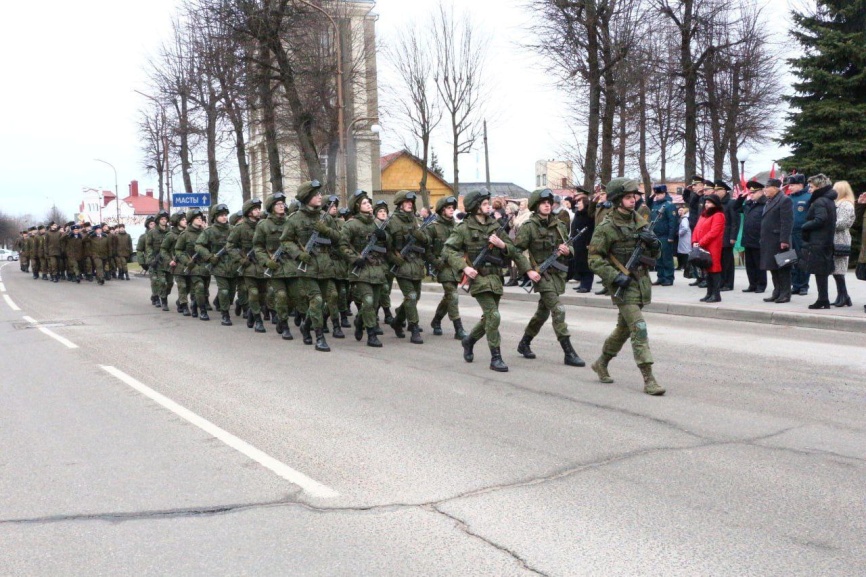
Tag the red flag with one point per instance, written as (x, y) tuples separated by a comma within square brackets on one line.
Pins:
[(773, 171)]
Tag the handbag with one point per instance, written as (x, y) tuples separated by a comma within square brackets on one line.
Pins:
[(841, 250), (700, 258), (787, 258), (860, 271)]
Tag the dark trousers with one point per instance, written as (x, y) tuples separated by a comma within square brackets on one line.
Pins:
[(585, 280), (781, 282), (757, 277), (665, 263), (728, 267), (799, 278), (682, 260)]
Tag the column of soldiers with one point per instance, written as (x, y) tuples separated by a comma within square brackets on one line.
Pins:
[(74, 252)]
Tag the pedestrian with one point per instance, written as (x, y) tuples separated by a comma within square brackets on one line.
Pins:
[(438, 233), (860, 216), (580, 262), (800, 196), (543, 234), (709, 235), (776, 230), (612, 244), (817, 232), (666, 228), (693, 196), (842, 240), (684, 242), (751, 206), (408, 269), (732, 230)]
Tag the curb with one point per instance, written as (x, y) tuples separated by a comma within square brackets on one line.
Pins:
[(788, 319)]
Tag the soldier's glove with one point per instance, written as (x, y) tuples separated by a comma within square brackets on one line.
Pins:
[(419, 235), (321, 227), (381, 234), (272, 264), (305, 257), (359, 263), (622, 280), (649, 239)]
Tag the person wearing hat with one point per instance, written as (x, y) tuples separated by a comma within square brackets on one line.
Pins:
[(24, 251), (240, 247), (100, 249), (314, 268), (751, 206), (409, 270), (540, 236), (266, 242), (64, 258), (777, 224), (666, 227), (480, 231), (141, 255), (819, 231), (338, 309), (223, 267), (42, 251), (732, 231), (800, 200), (242, 303), (160, 281), (124, 252), (437, 233), (693, 196), (189, 265), (709, 235), (170, 272), (367, 274), (52, 250), (381, 211), (612, 244), (74, 252)]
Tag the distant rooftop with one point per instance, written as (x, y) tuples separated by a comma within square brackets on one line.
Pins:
[(508, 189)]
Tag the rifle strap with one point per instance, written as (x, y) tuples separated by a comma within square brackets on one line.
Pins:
[(619, 265)]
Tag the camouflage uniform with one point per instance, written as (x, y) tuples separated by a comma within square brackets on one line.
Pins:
[(611, 246), (189, 264), (266, 242), (224, 268), (169, 273), (438, 233), (409, 271), (240, 246), (100, 249), (160, 281), (74, 252), (124, 251)]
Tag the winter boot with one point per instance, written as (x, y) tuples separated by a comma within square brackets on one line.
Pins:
[(126, 274), (378, 329), (164, 301), (436, 325), (338, 330), (389, 318), (398, 328), (207, 306), (305, 331), (523, 347), (226, 320), (372, 339), (468, 345), (359, 328), (251, 319), (572, 359), (459, 332), (203, 315), (496, 362), (321, 343), (266, 314), (193, 308), (344, 320), (650, 386), (238, 308), (258, 325), (184, 309), (415, 339), (600, 368), (286, 332)]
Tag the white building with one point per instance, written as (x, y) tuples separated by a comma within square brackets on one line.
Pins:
[(555, 174)]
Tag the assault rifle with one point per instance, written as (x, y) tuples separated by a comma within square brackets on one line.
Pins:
[(192, 260), (638, 258), (409, 246), (371, 245), (553, 259), (315, 240), (484, 257), (250, 258), (218, 256), (278, 258)]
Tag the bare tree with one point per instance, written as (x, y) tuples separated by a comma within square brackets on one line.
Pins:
[(154, 131), (461, 52)]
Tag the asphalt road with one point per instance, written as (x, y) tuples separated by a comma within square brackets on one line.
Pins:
[(162, 445)]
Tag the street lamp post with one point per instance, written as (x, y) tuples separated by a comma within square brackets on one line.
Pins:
[(116, 196)]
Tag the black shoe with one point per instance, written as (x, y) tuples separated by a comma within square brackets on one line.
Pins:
[(845, 302), (379, 330), (820, 304), (726, 289), (258, 325), (372, 339), (251, 319), (359, 328), (496, 362), (702, 284), (266, 314), (785, 299), (572, 359), (226, 320), (582, 290), (285, 331), (772, 298), (389, 318), (184, 310), (305, 332), (321, 343), (164, 304), (338, 330), (415, 339), (714, 299), (750, 289), (695, 283), (344, 320), (194, 310), (398, 328), (299, 320), (666, 284), (459, 331), (238, 308), (436, 325), (468, 346), (203, 316), (524, 349)]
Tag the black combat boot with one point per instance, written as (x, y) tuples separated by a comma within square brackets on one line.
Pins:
[(378, 329), (344, 319), (89, 278), (35, 275), (266, 313), (251, 319), (321, 343), (77, 279), (523, 347), (164, 302), (245, 312), (305, 331), (286, 333), (100, 281), (55, 278), (206, 306), (325, 328), (359, 328), (154, 300), (203, 315), (299, 319), (338, 330), (193, 308), (258, 324), (572, 359), (398, 328), (459, 332), (415, 339), (372, 339), (389, 318), (496, 362), (468, 345), (226, 320), (184, 309), (436, 325), (238, 308), (179, 306), (126, 274)]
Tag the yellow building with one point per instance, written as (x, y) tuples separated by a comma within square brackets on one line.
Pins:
[(402, 171)]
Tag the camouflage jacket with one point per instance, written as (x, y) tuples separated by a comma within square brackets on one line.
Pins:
[(616, 237), (353, 239), (209, 243), (185, 252), (539, 237), (266, 242), (401, 228), (438, 233), (240, 243), (299, 228)]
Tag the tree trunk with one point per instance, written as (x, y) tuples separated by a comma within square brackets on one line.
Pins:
[(269, 122), (455, 137), (182, 109), (607, 120), (690, 81), (422, 185), (590, 172), (642, 122), (213, 177), (623, 133)]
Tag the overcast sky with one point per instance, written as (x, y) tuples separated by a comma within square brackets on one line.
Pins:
[(69, 70)]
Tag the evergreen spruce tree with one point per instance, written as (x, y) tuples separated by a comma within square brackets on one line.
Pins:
[(435, 167), (827, 130)]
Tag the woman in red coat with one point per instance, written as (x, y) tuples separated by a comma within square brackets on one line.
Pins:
[(708, 235)]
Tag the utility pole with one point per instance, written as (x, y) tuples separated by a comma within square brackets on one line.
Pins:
[(486, 157)]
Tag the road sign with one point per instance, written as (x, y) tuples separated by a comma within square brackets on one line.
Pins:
[(180, 200)]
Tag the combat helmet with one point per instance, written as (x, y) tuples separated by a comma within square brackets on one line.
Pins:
[(404, 195), (192, 214), (619, 187), (538, 195), (472, 201), (272, 200), (175, 219), (235, 217), (217, 210), (251, 204), (355, 201), (307, 190), (445, 201)]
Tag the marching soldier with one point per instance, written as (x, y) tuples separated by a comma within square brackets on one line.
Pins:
[(480, 231), (242, 304), (409, 269), (41, 253), (141, 255), (169, 265), (240, 245), (152, 244), (612, 244), (24, 255), (75, 252), (338, 309), (188, 266), (224, 268), (381, 210), (52, 250), (266, 242), (86, 252), (100, 249), (438, 233), (540, 236), (124, 251)]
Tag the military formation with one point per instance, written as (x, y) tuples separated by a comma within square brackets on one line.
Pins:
[(75, 252), (304, 261)]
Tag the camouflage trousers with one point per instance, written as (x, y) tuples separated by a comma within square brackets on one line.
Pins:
[(629, 324), (198, 289), (312, 295), (449, 303), (182, 282), (548, 305), (488, 324), (243, 294), (385, 292), (366, 296), (342, 294), (226, 288), (257, 293), (285, 295), (408, 309)]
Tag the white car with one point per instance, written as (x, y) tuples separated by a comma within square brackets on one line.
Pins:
[(8, 254)]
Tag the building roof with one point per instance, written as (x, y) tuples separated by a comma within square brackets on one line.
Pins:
[(389, 159), (145, 204), (508, 189)]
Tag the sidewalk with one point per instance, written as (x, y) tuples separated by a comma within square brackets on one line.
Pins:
[(681, 299)]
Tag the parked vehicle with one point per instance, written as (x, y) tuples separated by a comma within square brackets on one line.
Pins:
[(8, 254)]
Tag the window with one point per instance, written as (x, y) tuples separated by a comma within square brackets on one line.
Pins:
[(564, 183), (543, 180)]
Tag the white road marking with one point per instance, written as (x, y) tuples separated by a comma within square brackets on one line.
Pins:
[(309, 485), (2, 288), (11, 304), (66, 342)]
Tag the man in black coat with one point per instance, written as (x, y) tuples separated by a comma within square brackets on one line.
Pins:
[(732, 231), (776, 226), (818, 232), (751, 205)]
